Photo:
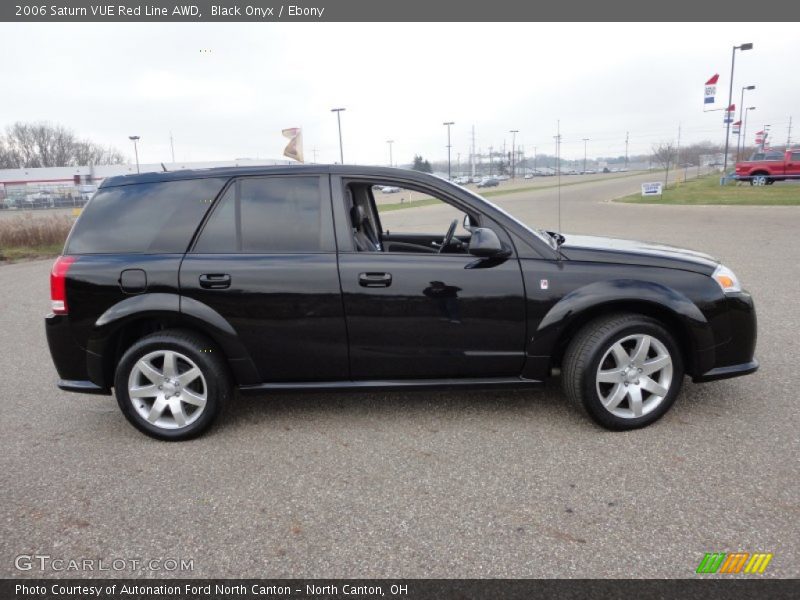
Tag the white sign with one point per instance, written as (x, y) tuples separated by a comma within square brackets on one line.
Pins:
[(651, 189)]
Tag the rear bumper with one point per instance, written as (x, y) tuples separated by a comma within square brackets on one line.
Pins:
[(82, 387), (727, 372)]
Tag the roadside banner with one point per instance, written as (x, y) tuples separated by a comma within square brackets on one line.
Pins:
[(736, 127), (294, 149), (729, 114), (652, 189), (711, 90)]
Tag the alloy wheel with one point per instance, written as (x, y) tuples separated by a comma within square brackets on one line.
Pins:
[(634, 376), (167, 389)]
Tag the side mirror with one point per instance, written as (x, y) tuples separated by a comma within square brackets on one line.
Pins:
[(484, 243), (467, 223)]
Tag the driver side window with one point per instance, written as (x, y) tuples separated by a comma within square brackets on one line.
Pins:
[(403, 220)]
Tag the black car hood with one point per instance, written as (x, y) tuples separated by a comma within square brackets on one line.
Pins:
[(603, 249)]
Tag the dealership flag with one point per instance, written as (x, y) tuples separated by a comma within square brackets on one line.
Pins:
[(736, 127), (294, 149), (729, 114), (711, 89)]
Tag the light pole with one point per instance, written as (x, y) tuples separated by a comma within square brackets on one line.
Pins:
[(741, 112), (744, 125), (513, 133), (338, 112), (134, 139), (728, 118), (585, 140), (390, 142), (448, 124)]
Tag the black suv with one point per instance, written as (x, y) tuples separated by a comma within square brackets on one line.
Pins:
[(175, 288)]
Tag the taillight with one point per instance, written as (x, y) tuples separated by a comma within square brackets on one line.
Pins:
[(58, 284)]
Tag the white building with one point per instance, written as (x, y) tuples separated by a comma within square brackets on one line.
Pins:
[(18, 184)]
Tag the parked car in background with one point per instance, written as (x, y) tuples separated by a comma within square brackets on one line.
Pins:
[(488, 182), (390, 189), (462, 180), (175, 288), (770, 167)]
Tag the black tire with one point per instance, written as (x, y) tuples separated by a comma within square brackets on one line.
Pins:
[(202, 352), (590, 345)]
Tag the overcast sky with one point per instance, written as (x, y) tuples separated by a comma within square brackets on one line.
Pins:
[(397, 81)]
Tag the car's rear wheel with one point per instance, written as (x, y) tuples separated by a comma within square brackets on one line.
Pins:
[(172, 384), (625, 370), (759, 180)]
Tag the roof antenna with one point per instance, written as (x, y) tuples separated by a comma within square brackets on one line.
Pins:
[(164, 167)]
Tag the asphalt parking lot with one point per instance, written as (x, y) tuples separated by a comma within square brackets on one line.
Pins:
[(444, 484)]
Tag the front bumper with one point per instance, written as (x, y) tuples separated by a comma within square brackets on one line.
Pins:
[(727, 372), (736, 356), (82, 387)]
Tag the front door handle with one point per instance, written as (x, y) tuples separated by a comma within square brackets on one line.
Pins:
[(215, 281), (372, 280)]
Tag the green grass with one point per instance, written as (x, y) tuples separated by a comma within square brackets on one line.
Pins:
[(30, 252), (707, 190)]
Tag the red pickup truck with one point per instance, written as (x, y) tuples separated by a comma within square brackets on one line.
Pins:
[(765, 168)]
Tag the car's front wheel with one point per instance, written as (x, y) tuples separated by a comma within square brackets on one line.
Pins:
[(625, 370), (172, 384)]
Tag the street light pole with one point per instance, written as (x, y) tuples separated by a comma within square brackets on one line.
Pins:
[(448, 124), (390, 142), (728, 116), (514, 133), (134, 139), (585, 140), (741, 112), (338, 112), (744, 131)]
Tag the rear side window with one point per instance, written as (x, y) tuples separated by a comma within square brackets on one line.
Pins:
[(147, 218), (270, 215), (794, 156)]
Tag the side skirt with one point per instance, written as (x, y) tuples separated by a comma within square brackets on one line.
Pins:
[(393, 384)]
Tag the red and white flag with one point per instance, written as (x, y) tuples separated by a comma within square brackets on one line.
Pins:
[(711, 90), (294, 149)]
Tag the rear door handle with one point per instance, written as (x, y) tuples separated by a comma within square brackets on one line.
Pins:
[(215, 281), (372, 280)]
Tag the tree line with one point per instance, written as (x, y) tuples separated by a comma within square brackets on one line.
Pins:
[(32, 145)]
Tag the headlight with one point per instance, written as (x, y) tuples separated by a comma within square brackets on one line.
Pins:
[(726, 279)]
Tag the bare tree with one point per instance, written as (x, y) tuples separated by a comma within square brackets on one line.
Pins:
[(31, 145), (663, 154)]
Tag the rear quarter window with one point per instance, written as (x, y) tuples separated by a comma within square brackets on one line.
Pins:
[(146, 218)]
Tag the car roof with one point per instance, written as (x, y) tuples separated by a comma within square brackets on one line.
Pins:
[(228, 172)]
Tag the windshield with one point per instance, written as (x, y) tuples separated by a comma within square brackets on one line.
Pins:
[(540, 233)]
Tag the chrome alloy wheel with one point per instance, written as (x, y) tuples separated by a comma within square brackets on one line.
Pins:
[(759, 180), (167, 389), (634, 376)]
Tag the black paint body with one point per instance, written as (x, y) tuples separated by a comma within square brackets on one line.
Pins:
[(345, 319)]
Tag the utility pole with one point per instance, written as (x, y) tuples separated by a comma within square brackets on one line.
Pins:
[(789, 137), (491, 165), (472, 154), (458, 163), (728, 115), (585, 140), (513, 133), (627, 134), (314, 152), (534, 159), (390, 142), (172, 146), (338, 112), (135, 139), (448, 124)]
